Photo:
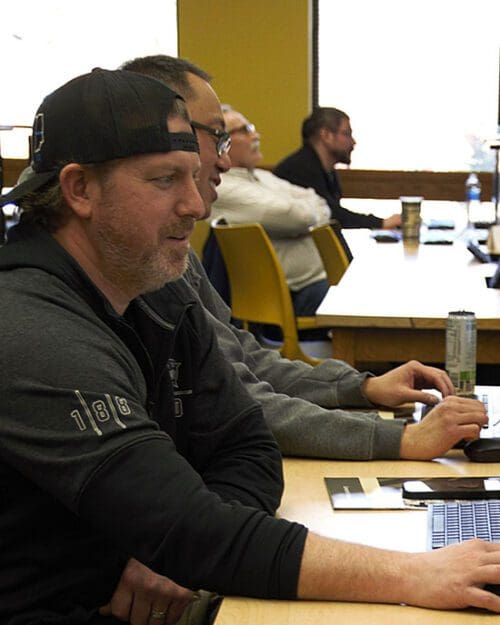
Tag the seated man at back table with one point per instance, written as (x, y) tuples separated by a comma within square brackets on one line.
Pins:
[(310, 410), (285, 211), (327, 140)]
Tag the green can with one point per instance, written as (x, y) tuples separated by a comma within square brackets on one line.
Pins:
[(461, 339)]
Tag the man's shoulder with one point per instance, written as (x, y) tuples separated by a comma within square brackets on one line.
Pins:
[(31, 287), (302, 159), (236, 175), (267, 176), (234, 183), (194, 274), (291, 158), (302, 168)]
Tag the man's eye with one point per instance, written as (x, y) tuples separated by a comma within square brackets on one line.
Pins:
[(164, 180)]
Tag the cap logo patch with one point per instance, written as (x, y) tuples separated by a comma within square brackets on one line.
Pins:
[(38, 133)]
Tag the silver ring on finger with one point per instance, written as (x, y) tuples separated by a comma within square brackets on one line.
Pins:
[(158, 614)]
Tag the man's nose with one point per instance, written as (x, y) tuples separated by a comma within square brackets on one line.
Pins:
[(191, 202), (224, 162)]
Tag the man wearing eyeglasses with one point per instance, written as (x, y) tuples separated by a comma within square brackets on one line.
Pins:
[(327, 140), (311, 410), (248, 195)]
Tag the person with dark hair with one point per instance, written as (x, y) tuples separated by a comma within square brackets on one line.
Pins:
[(327, 140), (178, 71), (312, 411), (125, 433)]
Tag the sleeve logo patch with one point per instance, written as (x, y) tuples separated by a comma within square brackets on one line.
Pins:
[(100, 411)]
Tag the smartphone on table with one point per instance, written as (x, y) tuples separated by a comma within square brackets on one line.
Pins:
[(443, 488)]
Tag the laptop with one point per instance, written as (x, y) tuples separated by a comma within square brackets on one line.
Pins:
[(455, 521)]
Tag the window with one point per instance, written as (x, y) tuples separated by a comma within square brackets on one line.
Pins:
[(419, 80), (44, 44)]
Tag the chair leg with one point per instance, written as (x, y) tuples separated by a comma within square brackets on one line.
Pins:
[(293, 352)]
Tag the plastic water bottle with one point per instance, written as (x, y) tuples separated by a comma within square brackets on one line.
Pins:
[(473, 197)]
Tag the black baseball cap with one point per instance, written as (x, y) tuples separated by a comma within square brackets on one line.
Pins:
[(98, 117)]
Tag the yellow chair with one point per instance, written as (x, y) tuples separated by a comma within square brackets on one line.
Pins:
[(331, 251), (259, 291), (199, 236)]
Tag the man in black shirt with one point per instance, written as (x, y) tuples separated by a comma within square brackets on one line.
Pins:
[(328, 140)]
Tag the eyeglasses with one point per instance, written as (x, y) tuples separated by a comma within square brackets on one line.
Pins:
[(248, 129), (223, 144)]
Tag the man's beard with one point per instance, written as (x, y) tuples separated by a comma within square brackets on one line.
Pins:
[(133, 268), (343, 157)]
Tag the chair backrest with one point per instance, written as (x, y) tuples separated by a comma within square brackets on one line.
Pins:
[(259, 291), (331, 251), (199, 236)]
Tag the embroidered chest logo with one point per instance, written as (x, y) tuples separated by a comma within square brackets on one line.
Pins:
[(173, 371), (173, 367), (96, 413)]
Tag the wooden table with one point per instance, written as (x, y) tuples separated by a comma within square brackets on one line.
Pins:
[(392, 303), (306, 500)]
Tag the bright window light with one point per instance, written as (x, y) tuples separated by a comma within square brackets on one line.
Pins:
[(44, 44), (418, 78)]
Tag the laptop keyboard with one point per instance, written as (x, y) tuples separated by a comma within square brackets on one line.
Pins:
[(456, 521)]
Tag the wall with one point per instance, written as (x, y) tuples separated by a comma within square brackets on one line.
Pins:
[(259, 54)]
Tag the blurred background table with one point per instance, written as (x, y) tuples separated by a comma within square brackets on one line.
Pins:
[(392, 303)]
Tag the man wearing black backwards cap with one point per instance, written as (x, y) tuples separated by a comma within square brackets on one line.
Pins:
[(123, 431)]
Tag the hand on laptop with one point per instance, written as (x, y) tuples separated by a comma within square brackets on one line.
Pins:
[(452, 420), (404, 384), (449, 578), (455, 577)]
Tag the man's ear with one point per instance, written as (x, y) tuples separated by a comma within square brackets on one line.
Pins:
[(324, 133), (74, 181)]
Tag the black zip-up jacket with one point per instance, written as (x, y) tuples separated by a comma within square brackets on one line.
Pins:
[(304, 169), (124, 437)]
